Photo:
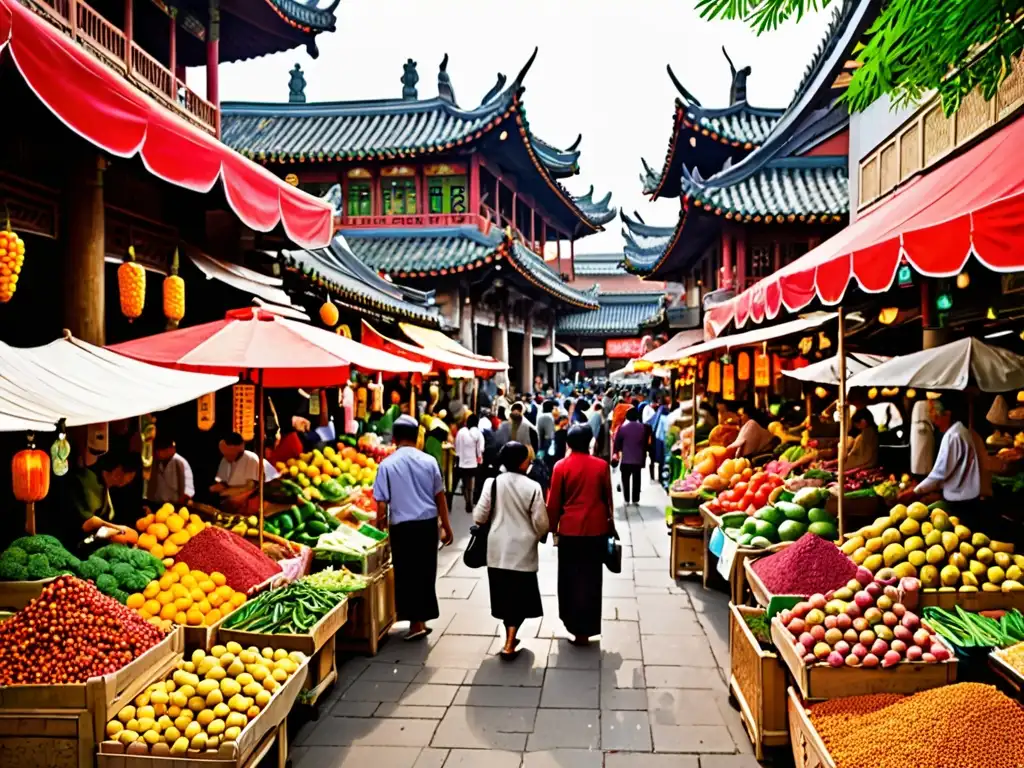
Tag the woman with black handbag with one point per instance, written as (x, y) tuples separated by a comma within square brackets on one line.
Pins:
[(512, 508)]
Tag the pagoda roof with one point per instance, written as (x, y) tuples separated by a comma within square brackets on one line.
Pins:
[(441, 251), (598, 265), (597, 211), (618, 314), (350, 282), (407, 128)]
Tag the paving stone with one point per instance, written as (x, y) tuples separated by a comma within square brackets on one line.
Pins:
[(441, 675), (563, 758), (671, 650), (373, 732), (354, 708), (728, 761), (391, 673), (681, 706), (409, 711), (472, 621), (565, 728), (623, 698), (356, 757), (622, 673), (501, 728), (565, 655), (429, 695), (571, 689), (457, 589), (625, 731), (371, 690), (683, 677), (431, 758), (692, 738), (637, 760), (497, 696), (459, 651), (520, 672), (478, 758), (622, 638), (653, 564), (619, 608)]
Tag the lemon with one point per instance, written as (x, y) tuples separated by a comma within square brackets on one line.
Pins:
[(205, 717)]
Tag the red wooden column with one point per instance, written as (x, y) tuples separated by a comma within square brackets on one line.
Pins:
[(776, 256), (474, 184), (172, 57), (84, 283), (213, 62), (741, 259), (725, 270), (128, 33)]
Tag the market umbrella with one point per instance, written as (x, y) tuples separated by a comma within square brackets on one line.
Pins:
[(271, 350), (827, 371), (954, 366)]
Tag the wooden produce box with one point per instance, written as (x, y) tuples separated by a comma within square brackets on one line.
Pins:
[(371, 615), (687, 551), (15, 595), (821, 681), (758, 681), (808, 749), (757, 588), (308, 643), (972, 601), (253, 744), (1012, 680), (203, 638), (58, 726), (738, 576)]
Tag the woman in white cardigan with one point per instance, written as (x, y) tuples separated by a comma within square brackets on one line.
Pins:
[(514, 506)]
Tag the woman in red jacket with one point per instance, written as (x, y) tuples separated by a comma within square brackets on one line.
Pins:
[(580, 510)]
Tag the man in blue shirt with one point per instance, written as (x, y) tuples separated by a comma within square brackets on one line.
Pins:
[(411, 503)]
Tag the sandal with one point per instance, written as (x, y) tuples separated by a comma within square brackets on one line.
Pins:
[(417, 635)]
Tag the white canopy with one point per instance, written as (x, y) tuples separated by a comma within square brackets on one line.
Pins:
[(760, 335), (827, 371), (669, 351), (953, 366), (72, 380)]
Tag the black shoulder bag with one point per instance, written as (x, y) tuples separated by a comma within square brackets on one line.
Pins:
[(613, 549), (475, 555)]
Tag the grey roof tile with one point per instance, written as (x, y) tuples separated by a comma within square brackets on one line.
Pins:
[(618, 314)]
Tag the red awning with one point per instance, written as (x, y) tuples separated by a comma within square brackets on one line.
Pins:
[(442, 359), (104, 108), (972, 204)]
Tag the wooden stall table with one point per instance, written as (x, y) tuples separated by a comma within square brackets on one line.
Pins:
[(711, 521), (808, 749), (371, 615), (758, 683), (687, 552)]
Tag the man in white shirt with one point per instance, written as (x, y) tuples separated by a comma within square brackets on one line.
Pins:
[(959, 471), (171, 480), (469, 450), (239, 469)]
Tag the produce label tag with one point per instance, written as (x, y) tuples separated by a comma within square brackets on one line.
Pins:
[(725, 560), (715, 543)]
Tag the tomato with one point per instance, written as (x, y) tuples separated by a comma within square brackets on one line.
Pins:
[(740, 488), (746, 473), (761, 497)]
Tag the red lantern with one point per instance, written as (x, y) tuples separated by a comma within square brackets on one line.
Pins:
[(30, 474)]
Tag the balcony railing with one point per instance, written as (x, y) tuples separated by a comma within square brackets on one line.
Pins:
[(82, 23)]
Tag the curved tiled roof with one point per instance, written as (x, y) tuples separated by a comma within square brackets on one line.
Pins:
[(598, 211), (535, 270), (598, 265), (561, 163), (645, 244), (619, 314)]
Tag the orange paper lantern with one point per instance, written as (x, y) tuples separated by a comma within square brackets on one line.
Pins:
[(762, 370), (714, 376), (30, 474), (743, 366), (329, 313), (729, 382)]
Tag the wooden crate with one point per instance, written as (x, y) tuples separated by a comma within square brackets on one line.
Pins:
[(1011, 679), (371, 614), (808, 749), (972, 601), (821, 681), (15, 595), (687, 551), (39, 723), (255, 741), (758, 681), (203, 638)]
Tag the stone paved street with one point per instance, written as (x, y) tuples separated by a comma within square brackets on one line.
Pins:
[(651, 693)]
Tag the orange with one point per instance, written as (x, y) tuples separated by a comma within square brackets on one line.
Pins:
[(179, 590), (170, 548), (180, 537), (147, 541), (204, 607), (215, 599), (218, 578), (175, 523), (212, 617), (135, 601), (157, 551), (194, 618), (183, 603), (225, 591), (237, 599), (181, 618), (143, 523), (197, 594), (152, 589), (168, 611), (207, 586), (162, 514), (164, 598), (189, 580), (152, 607), (159, 530)]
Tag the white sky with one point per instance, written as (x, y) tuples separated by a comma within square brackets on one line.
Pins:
[(600, 72)]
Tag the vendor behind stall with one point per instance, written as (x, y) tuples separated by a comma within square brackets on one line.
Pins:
[(84, 493), (862, 452), (239, 471), (960, 471), (171, 481), (754, 437)]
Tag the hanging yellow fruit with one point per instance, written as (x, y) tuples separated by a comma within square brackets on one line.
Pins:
[(131, 286), (174, 294), (12, 256), (329, 313)]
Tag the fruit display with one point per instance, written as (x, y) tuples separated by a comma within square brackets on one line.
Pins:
[(329, 472), (863, 624), (243, 525), (807, 566), (12, 257), (71, 632), (707, 460), (1014, 657), (964, 629), (206, 703), (360, 505), (164, 532), (119, 570), (302, 523), (31, 558), (186, 597), (346, 542), (131, 286), (782, 520), (965, 725), (374, 447), (243, 564), (928, 543), (342, 580), (291, 610)]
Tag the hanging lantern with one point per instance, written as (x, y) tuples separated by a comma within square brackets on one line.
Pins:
[(243, 406), (743, 366), (820, 392), (174, 295), (963, 280), (362, 395), (377, 395), (60, 451), (911, 394), (30, 478), (729, 381), (206, 412), (805, 345), (329, 313), (762, 370), (714, 376), (131, 286), (824, 342), (12, 256), (888, 315)]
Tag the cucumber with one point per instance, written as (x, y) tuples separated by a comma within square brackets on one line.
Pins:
[(733, 519), (315, 528)]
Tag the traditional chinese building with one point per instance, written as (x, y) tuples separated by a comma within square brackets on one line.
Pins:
[(757, 187), (463, 201)]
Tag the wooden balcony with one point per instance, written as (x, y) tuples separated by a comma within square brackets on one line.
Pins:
[(108, 43)]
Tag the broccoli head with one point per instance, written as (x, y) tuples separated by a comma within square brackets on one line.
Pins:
[(129, 578), (92, 568), (115, 553), (62, 559), (39, 544), (39, 567), (142, 560), (15, 555), (120, 595), (11, 570), (106, 584)]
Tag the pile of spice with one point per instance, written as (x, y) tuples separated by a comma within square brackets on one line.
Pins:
[(810, 565), (966, 725), (215, 549), (71, 632)]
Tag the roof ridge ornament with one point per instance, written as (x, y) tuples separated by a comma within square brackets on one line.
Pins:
[(738, 89), (575, 145), (296, 86), (495, 90), (518, 82), (444, 83), (688, 97), (409, 79)]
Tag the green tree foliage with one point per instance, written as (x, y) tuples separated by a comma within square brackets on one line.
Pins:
[(912, 47)]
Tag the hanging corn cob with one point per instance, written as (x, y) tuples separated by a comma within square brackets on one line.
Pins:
[(131, 286), (12, 256), (174, 295)]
